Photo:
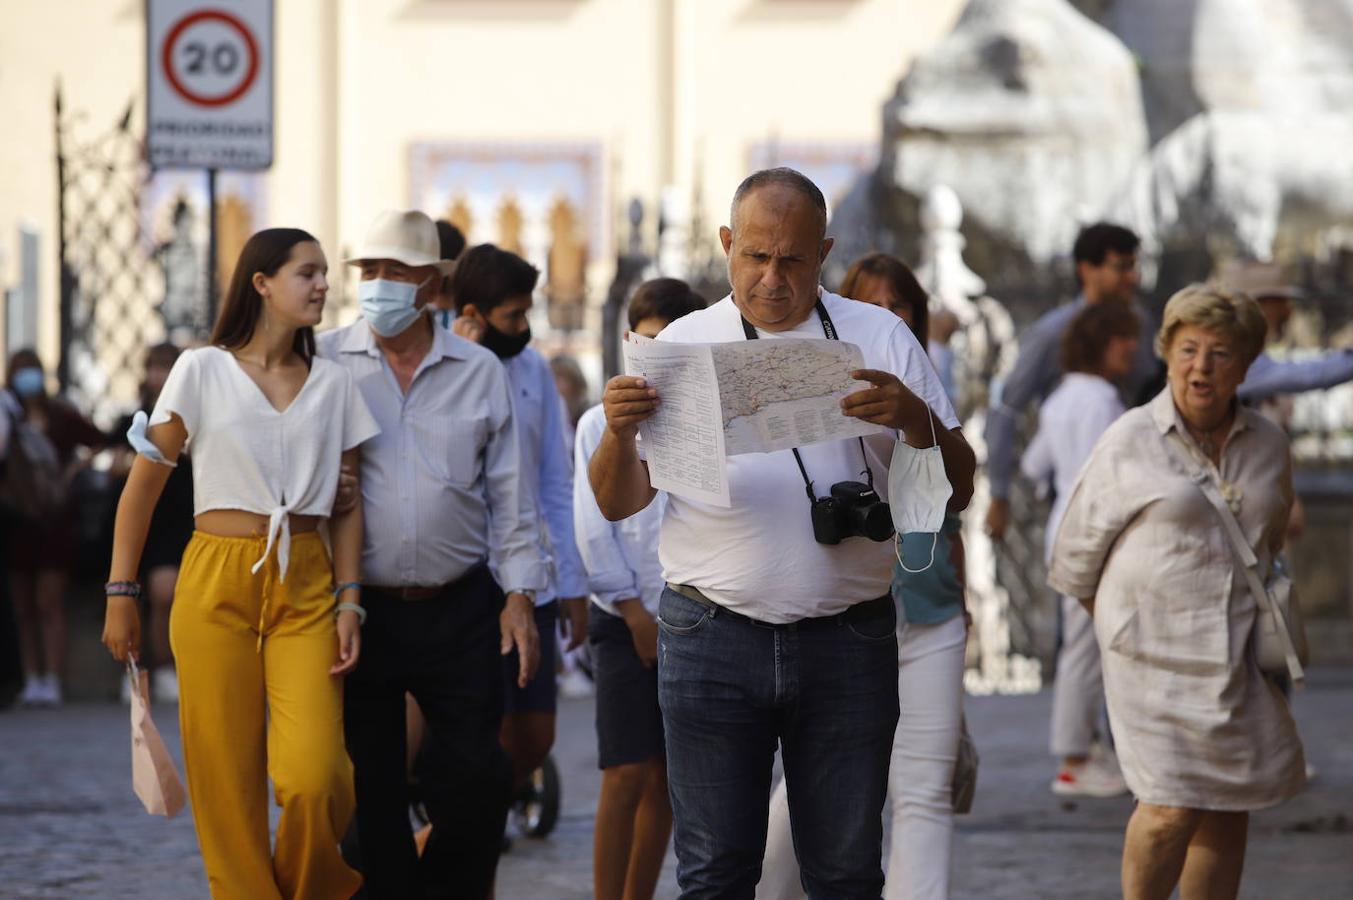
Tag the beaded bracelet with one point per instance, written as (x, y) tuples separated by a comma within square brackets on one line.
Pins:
[(122, 589), (351, 607)]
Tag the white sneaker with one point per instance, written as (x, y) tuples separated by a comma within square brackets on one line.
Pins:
[(1092, 778), (48, 692), (574, 684), (33, 691), (164, 685), (1101, 751)]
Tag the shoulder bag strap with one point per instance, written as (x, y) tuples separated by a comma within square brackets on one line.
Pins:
[(1249, 563)]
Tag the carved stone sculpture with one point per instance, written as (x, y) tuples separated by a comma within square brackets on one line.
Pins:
[(1248, 102), (1030, 111)]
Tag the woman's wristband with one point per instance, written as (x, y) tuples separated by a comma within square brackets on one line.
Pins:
[(122, 589), (352, 608)]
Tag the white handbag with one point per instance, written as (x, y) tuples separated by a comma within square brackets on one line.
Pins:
[(1280, 633)]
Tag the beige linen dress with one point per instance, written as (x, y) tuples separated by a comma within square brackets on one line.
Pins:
[(1194, 721)]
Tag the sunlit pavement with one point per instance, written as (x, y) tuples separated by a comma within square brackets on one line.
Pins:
[(71, 828)]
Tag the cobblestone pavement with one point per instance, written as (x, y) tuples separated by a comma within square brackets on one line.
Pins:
[(71, 828)]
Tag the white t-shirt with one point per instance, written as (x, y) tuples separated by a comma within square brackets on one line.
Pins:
[(249, 456), (758, 556), (1070, 423)]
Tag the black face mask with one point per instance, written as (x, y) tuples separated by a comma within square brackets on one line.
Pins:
[(505, 346)]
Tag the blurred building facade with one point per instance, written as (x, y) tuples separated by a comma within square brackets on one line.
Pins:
[(532, 123)]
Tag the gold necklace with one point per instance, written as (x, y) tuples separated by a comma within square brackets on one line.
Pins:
[(1206, 443), (1231, 493)]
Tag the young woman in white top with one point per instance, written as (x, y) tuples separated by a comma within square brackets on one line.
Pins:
[(1097, 352), (259, 632)]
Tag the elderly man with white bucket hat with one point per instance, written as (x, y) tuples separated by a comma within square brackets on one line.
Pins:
[(440, 493)]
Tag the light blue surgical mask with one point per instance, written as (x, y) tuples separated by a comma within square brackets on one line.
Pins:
[(388, 305), (28, 382)]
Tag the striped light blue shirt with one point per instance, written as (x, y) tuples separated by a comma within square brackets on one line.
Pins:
[(1268, 377), (621, 557), (440, 486), (546, 471)]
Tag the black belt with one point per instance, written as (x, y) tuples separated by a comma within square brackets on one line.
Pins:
[(694, 595), (426, 592)]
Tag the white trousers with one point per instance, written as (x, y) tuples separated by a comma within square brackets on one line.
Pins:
[(1078, 691), (920, 780)]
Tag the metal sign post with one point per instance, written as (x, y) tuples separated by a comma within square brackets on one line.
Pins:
[(209, 94), (213, 284)]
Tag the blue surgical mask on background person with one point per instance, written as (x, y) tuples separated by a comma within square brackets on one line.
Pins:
[(28, 382), (388, 306)]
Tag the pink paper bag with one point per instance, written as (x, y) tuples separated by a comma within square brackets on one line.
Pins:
[(155, 778)]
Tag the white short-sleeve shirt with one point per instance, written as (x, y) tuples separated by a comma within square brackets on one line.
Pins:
[(247, 455), (758, 556), (1070, 422)]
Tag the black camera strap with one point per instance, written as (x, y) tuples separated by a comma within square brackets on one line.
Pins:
[(829, 330)]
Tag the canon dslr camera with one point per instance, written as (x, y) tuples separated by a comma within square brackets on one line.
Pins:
[(853, 510)]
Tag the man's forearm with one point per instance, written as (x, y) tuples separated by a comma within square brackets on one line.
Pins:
[(619, 478), (1296, 376), (960, 466), (1000, 438), (918, 423)]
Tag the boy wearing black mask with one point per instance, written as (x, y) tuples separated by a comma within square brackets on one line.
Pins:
[(493, 294)]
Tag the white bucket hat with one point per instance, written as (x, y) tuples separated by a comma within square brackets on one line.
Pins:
[(1260, 280), (406, 236)]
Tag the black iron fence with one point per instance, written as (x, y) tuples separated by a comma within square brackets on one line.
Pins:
[(111, 287)]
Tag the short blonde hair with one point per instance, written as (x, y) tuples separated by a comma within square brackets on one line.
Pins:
[(1215, 308)]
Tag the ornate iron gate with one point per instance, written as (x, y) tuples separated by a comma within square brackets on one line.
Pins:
[(111, 287)]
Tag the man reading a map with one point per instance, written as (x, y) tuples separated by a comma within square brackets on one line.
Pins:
[(775, 627)]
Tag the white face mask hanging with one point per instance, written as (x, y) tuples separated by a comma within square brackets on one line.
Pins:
[(918, 493)]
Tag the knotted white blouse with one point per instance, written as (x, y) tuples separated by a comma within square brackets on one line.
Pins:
[(250, 456)]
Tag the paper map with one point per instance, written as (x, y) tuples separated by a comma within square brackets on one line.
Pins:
[(721, 400)]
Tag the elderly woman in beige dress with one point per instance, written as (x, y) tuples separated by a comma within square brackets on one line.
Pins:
[(1203, 736)]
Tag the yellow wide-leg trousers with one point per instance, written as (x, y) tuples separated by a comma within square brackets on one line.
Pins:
[(257, 702)]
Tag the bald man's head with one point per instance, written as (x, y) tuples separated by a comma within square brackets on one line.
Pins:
[(776, 244), (785, 177)]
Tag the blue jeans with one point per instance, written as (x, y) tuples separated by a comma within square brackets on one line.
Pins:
[(826, 690)]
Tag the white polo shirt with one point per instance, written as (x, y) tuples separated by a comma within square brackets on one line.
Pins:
[(758, 556)]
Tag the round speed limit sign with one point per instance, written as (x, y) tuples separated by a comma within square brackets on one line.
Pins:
[(209, 84), (210, 58)]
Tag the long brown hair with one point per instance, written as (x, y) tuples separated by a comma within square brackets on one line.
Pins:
[(266, 252), (899, 277)]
